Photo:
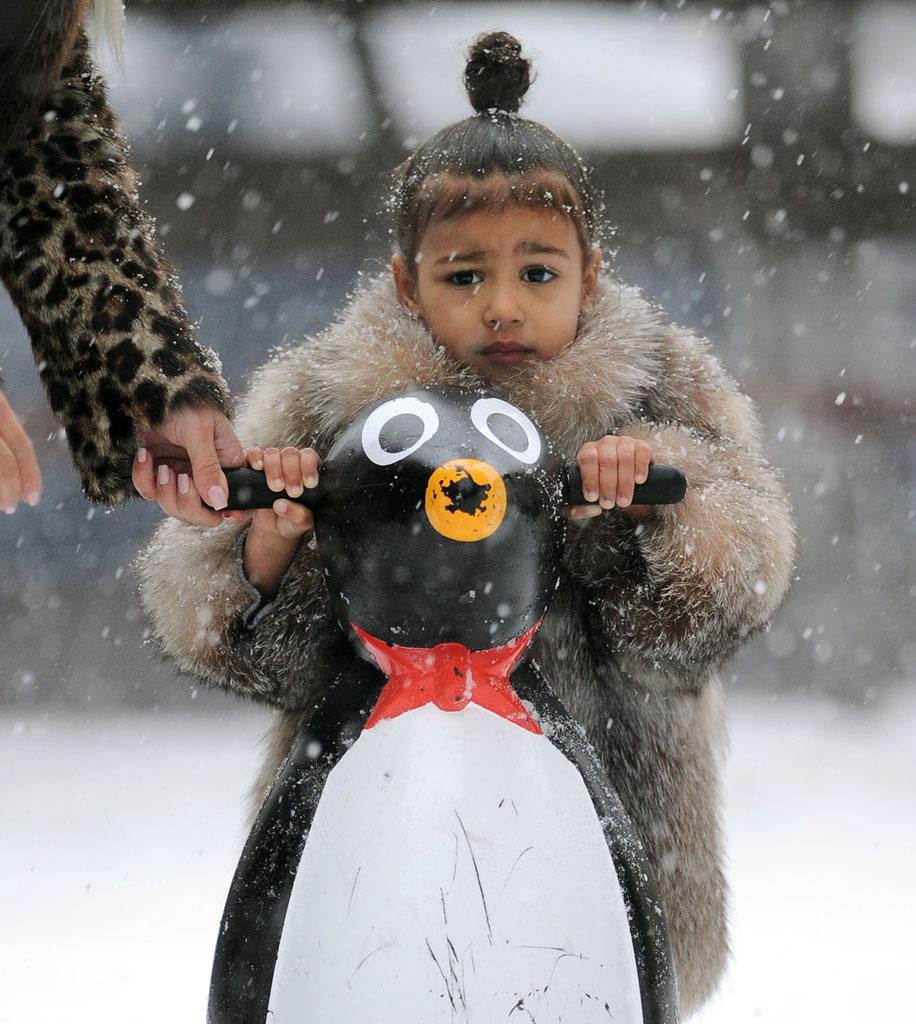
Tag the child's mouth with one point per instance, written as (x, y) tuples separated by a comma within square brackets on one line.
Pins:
[(506, 352)]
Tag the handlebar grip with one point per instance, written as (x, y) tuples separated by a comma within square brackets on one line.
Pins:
[(248, 489), (665, 485)]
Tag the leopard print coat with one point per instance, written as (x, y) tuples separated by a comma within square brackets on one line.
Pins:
[(114, 346), (644, 613)]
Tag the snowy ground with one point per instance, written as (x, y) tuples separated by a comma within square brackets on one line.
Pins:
[(120, 834)]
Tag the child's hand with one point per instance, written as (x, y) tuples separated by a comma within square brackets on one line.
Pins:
[(275, 532), (290, 470), (610, 469)]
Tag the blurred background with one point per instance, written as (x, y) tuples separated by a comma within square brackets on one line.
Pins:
[(759, 170)]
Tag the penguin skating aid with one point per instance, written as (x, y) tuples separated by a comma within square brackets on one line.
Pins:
[(442, 844)]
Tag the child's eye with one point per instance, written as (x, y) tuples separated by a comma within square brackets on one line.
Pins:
[(463, 278), (538, 275)]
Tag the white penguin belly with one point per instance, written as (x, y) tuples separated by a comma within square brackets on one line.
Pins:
[(455, 871)]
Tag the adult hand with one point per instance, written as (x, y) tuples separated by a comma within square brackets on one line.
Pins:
[(20, 478), (198, 440)]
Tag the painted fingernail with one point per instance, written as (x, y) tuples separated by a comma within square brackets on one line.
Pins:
[(217, 498), (281, 507), (311, 481), (33, 498), (163, 475), (142, 454), (184, 483)]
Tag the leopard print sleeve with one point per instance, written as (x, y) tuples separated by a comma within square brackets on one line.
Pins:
[(114, 346)]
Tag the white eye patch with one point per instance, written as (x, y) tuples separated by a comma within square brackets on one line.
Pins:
[(484, 410), (379, 418)]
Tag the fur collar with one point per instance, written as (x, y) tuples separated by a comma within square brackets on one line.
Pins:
[(376, 348)]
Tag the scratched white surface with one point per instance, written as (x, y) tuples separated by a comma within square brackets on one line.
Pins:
[(406, 909), (119, 836)]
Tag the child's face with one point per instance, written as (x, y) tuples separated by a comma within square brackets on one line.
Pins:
[(500, 288)]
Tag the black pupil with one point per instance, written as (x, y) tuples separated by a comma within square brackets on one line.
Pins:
[(400, 432), (509, 431)]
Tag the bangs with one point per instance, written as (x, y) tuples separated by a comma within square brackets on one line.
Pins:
[(445, 196)]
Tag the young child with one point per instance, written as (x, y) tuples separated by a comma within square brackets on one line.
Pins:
[(497, 277)]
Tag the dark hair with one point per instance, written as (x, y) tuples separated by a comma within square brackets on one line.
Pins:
[(492, 158)]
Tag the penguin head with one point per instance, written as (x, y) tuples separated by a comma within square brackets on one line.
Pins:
[(442, 522)]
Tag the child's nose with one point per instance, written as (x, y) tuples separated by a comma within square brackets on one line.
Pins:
[(503, 307)]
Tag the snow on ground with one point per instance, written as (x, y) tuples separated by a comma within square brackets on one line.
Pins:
[(120, 834)]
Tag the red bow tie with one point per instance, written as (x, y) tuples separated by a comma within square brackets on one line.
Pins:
[(450, 676)]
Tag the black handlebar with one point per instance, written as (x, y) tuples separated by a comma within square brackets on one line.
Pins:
[(248, 489)]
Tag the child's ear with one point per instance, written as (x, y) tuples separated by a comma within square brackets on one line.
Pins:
[(404, 283), (590, 274)]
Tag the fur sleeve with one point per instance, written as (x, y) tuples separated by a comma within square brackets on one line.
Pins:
[(685, 588), (113, 343), (197, 598)]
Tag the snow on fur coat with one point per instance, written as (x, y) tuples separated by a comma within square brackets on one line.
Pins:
[(644, 613)]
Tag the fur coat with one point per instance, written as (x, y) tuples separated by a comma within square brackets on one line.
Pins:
[(115, 348), (644, 613)]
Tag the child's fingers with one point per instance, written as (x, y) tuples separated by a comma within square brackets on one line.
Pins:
[(273, 469), (643, 461), (264, 520), (583, 511), (587, 458), (626, 470), (308, 462), (292, 471), (607, 471), (293, 519)]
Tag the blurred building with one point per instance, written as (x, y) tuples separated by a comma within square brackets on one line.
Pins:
[(758, 167)]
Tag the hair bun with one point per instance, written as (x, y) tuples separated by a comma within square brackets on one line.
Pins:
[(496, 76)]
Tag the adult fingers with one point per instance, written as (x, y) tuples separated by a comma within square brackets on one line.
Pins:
[(228, 446), (197, 429), (28, 475), (9, 479), (166, 491), (143, 475), (190, 508), (607, 469)]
